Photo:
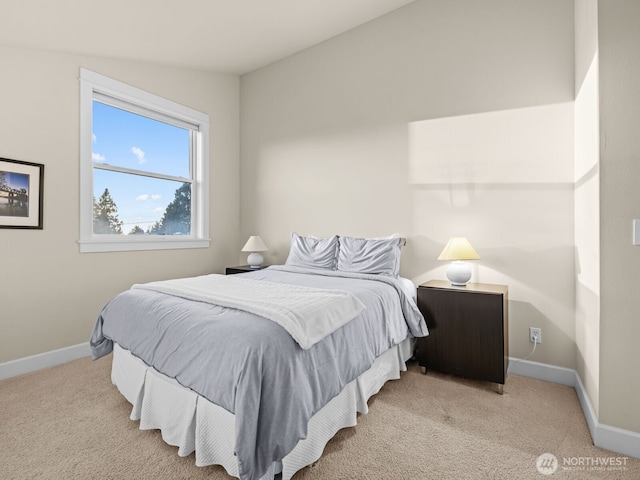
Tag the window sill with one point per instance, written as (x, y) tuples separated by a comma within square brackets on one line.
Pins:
[(158, 243)]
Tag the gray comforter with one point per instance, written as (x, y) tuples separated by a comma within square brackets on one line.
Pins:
[(251, 366)]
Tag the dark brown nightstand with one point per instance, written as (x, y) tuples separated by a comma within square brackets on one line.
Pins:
[(243, 269), (468, 330)]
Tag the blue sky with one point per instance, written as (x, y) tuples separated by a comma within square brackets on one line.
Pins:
[(17, 180), (128, 140)]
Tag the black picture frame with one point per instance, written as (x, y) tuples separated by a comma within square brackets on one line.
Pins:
[(21, 194)]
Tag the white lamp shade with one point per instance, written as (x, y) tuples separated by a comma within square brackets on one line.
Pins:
[(254, 244), (458, 248)]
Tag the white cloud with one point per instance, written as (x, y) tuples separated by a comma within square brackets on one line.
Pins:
[(159, 210), (97, 157), (138, 152), (94, 139), (156, 196), (144, 196)]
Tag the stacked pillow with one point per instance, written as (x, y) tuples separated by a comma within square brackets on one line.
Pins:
[(377, 256)]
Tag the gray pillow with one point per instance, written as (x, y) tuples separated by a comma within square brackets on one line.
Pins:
[(378, 256), (312, 252)]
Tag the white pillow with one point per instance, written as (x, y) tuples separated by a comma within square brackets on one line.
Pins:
[(378, 256), (312, 252)]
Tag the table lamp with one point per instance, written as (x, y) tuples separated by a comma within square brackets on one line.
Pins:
[(255, 245), (459, 249)]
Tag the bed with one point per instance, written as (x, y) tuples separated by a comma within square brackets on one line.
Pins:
[(256, 372)]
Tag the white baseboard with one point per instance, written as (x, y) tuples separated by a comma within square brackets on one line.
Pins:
[(615, 439), (43, 360), (542, 371), (618, 440), (587, 408)]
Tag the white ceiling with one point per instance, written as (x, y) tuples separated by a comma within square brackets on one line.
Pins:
[(229, 36)]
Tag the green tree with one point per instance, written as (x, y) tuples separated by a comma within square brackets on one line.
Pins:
[(105, 215), (136, 231), (177, 217)]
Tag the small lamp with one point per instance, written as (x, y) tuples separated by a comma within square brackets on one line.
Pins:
[(458, 249), (255, 245)]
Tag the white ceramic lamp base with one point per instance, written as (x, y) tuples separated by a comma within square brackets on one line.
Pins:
[(459, 273), (255, 259)]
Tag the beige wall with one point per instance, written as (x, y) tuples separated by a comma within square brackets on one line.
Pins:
[(587, 199), (619, 35), (50, 294), (333, 141)]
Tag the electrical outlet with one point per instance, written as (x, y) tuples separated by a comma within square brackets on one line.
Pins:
[(535, 335)]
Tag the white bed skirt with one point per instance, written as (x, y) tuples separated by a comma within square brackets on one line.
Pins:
[(192, 423)]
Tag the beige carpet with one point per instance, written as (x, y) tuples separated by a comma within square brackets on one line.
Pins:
[(69, 422)]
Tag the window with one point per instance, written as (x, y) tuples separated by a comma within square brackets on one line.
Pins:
[(143, 165)]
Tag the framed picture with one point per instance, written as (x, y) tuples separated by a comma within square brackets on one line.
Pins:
[(21, 187)]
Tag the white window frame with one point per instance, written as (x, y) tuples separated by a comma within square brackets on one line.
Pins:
[(94, 86)]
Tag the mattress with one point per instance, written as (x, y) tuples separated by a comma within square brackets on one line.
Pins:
[(194, 424)]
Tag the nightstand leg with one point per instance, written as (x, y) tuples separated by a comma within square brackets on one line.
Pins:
[(500, 388), (423, 370)]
